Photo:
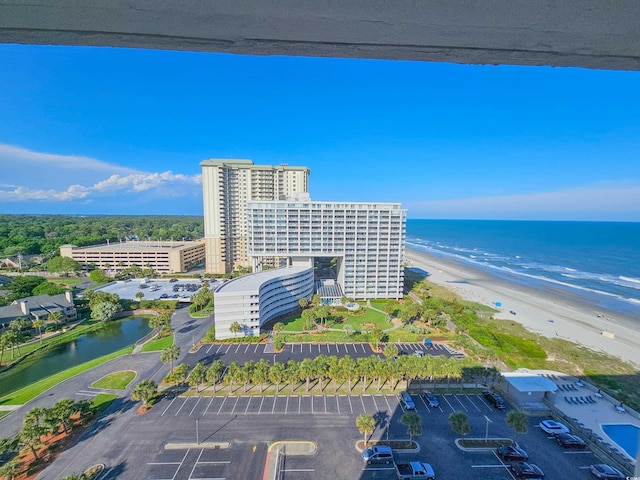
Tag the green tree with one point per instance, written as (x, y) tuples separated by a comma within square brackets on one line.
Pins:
[(260, 374), (5, 342), (277, 374), (390, 350), (35, 424), (459, 423), (23, 286), (61, 413), (349, 370), (197, 376), (55, 317), (139, 296), (38, 324), (144, 391), (366, 425), (98, 276), (235, 328), (389, 309), (278, 327), (377, 335), (169, 354), (10, 470), (316, 300), (104, 311), (348, 330), (49, 288), (12, 338), (303, 302), (213, 373), (63, 265), (413, 422), (19, 324), (309, 316), (517, 421)]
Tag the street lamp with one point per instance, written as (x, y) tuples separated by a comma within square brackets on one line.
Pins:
[(486, 433)]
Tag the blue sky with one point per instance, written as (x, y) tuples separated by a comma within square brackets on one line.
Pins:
[(122, 131)]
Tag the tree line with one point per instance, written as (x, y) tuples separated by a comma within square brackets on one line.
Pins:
[(44, 234)]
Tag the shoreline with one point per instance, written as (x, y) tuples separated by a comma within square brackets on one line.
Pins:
[(553, 315)]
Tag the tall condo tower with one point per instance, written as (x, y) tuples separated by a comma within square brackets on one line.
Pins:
[(227, 186)]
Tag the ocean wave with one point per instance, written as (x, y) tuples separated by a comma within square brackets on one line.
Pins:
[(629, 279)]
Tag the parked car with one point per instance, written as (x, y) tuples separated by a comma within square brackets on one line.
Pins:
[(512, 453), (407, 401), (606, 472), (431, 399), (494, 399), (526, 470), (415, 471), (377, 454), (419, 353), (567, 440), (553, 428)]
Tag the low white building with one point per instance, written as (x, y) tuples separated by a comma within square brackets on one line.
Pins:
[(253, 300)]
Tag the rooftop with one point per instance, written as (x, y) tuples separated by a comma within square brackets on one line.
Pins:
[(529, 382), (251, 282), (140, 246)]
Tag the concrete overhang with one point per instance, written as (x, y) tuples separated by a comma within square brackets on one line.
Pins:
[(582, 33)]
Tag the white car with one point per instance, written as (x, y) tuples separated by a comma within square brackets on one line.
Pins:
[(553, 428)]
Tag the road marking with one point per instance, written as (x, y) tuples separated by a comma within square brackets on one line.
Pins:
[(298, 470), (223, 400), (256, 349), (238, 348), (337, 404), (219, 462), (375, 404), (488, 466), (299, 404), (194, 407), (210, 401), (456, 397), (311, 404), (87, 394), (170, 403), (273, 409), (180, 466), (183, 404), (425, 403), (210, 347), (350, 406), (260, 408), (196, 464), (471, 401), (364, 350), (286, 407), (248, 403), (325, 403), (234, 405), (247, 347), (445, 399), (388, 404), (364, 409)]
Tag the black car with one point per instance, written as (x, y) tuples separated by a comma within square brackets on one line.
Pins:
[(567, 440), (526, 470), (512, 453), (494, 399)]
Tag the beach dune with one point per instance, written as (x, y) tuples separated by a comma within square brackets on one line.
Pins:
[(539, 311)]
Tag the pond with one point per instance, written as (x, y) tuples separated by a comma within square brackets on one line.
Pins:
[(114, 336)]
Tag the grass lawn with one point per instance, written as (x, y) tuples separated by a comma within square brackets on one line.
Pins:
[(158, 345), (116, 380), (102, 401), (25, 394), (296, 323), (67, 281)]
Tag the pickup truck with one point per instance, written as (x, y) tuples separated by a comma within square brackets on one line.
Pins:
[(415, 471)]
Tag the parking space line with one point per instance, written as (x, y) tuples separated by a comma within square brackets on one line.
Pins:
[(350, 406), (299, 404), (312, 405), (248, 403), (461, 404), (180, 466), (364, 409), (228, 348), (234, 405), (247, 347), (238, 347), (448, 403), (194, 407), (483, 402), (388, 404), (275, 400), (364, 350), (286, 407), (183, 404), (425, 403), (256, 349), (471, 401), (261, 402), (208, 405), (375, 404), (210, 347), (223, 400), (196, 463), (325, 403)]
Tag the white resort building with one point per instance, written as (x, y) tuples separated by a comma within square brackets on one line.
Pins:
[(227, 186), (365, 240)]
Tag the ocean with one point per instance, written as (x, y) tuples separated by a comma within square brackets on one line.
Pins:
[(594, 262)]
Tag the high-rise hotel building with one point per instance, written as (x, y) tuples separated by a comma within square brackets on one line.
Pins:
[(227, 186)]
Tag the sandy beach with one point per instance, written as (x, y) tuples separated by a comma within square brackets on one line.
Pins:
[(539, 311)]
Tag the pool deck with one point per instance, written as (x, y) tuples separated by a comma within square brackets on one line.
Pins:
[(591, 415)]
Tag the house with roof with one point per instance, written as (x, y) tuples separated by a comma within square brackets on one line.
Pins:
[(39, 307)]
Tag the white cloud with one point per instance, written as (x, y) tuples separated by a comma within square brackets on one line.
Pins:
[(35, 176), (602, 201)]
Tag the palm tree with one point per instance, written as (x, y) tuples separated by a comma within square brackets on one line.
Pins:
[(389, 308), (277, 374), (213, 373), (197, 376), (413, 422), (366, 425), (139, 296), (517, 421), (303, 302), (306, 371), (55, 317), (390, 350), (144, 391), (170, 354), (61, 413), (9, 470), (5, 342), (278, 327), (39, 323), (459, 423), (235, 328), (261, 374), (321, 367), (349, 370)]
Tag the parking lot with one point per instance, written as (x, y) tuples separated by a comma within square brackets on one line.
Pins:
[(330, 421), (243, 352), (157, 289)]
